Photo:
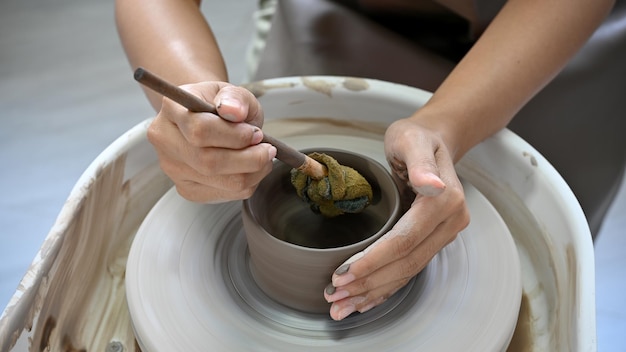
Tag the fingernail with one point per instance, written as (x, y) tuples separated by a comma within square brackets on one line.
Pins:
[(342, 269), (226, 102), (337, 295), (257, 136), (272, 152), (344, 279), (330, 289), (435, 187)]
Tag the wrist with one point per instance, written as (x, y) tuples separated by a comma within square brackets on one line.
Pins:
[(443, 125)]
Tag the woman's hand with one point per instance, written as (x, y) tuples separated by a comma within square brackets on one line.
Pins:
[(419, 157), (213, 158)]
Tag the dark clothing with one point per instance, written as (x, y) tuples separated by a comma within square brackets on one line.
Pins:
[(578, 122)]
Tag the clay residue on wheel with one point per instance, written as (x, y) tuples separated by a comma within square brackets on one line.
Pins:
[(571, 290), (285, 127), (522, 339), (533, 160), (318, 85), (80, 303), (355, 84), (545, 301), (260, 88)]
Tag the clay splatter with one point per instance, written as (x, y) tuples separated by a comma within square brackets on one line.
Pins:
[(260, 88), (522, 339), (355, 84), (318, 85), (533, 160)]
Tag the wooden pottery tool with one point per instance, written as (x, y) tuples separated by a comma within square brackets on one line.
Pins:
[(284, 153)]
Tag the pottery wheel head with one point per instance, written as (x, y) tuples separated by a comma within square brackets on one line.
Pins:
[(189, 285), (293, 250)]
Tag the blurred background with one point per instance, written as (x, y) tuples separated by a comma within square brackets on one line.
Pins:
[(67, 92)]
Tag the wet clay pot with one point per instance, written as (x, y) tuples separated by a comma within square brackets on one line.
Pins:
[(294, 251)]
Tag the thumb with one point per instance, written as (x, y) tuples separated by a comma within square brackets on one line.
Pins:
[(425, 180), (416, 154), (420, 172), (237, 104)]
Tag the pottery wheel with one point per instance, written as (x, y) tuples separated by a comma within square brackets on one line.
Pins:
[(189, 286)]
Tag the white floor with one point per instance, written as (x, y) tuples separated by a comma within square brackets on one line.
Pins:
[(66, 92)]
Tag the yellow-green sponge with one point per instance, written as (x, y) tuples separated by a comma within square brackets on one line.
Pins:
[(344, 190)]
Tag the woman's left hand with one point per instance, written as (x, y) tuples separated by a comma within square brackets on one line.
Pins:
[(438, 213)]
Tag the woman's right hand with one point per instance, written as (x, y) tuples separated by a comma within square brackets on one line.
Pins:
[(213, 158)]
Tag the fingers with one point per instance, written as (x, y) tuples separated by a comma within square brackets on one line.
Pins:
[(213, 158), (370, 277), (233, 103), (236, 104), (228, 158), (415, 157), (238, 182), (202, 193), (421, 176), (207, 129), (363, 303), (438, 213)]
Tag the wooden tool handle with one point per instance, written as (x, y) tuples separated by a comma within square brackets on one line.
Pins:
[(284, 153)]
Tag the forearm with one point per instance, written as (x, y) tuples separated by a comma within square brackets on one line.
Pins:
[(170, 38), (525, 46)]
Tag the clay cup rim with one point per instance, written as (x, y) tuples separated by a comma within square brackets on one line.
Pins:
[(383, 179)]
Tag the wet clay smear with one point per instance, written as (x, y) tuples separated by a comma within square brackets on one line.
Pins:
[(522, 337)]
